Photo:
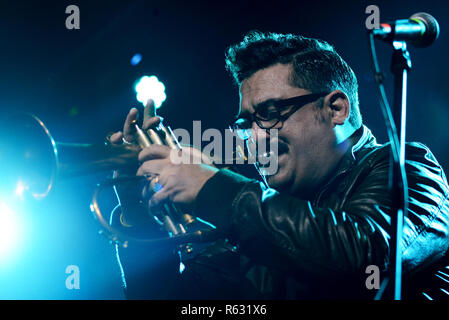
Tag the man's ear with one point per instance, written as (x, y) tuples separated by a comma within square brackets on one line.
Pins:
[(337, 104)]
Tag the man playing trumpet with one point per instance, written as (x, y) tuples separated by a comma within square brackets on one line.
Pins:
[(325, 216)]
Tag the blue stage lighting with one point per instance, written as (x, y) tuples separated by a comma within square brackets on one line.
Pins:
[(9, 231), (20, 188), (150, 88), (135, 60)]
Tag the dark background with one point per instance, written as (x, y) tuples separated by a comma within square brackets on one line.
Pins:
[(80, 83)]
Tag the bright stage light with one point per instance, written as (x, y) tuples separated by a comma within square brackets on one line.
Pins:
[(150, 88), (9, 230)]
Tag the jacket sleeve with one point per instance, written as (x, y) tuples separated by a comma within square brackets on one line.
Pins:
[(290, 233)]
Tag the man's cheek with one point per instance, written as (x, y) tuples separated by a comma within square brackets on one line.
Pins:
[(281, 176)]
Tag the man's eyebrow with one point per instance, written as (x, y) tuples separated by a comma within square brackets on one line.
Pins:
[(265, 103), (262, 104)]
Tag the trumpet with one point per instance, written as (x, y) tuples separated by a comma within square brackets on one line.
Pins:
[(37, 162), (182, 228)]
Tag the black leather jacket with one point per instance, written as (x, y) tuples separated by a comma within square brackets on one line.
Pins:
[(281, 247)]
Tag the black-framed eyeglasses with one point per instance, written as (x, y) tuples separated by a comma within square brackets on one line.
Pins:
[(271, 112)]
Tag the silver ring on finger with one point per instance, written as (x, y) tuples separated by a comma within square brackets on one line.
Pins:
[(126, 141), (156, 186)]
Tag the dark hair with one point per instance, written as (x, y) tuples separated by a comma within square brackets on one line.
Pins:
[(317, 66)]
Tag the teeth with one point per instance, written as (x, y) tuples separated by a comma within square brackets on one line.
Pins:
[(267, 154)]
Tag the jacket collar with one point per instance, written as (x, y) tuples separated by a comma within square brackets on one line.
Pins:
[(362, 141)]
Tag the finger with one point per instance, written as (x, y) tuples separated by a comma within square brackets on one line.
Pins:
[(154, 151), (196, 156), (162, 188), (128, 129), (151, 122), (149, 111), (152, 167), (116, 138), (159, 197), (156, 184), (194, 153), (147, 191)]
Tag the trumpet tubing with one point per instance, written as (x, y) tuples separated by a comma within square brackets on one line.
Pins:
[(38, 161), (175, 222), (76, 159)]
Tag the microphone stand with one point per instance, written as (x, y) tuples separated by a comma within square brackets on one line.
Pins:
[(400, 65)]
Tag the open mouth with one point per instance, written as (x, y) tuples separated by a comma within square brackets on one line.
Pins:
[(282, 148), (266, 159)]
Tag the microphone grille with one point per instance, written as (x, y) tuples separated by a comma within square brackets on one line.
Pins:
[(432, 29)]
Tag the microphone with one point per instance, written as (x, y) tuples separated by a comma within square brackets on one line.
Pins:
[(420, 30)]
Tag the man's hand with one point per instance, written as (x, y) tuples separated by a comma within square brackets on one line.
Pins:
[(149, 121), (178, 183)]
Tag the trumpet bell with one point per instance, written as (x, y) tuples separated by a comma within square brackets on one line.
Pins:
[(28, 155), (33, 161)]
